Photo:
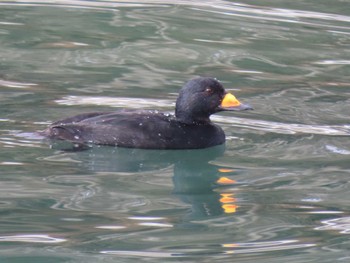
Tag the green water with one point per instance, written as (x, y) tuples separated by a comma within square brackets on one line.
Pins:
[(276, 192)]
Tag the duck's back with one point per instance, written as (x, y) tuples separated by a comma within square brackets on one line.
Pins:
[(136, 129)]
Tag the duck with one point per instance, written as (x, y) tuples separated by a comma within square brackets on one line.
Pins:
[(189, 128)]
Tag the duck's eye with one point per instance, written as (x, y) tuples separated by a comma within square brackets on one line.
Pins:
[(209, 91)]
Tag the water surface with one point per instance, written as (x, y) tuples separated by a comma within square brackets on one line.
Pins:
[(277, 190)]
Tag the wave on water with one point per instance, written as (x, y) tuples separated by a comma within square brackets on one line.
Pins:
[(285, 128)]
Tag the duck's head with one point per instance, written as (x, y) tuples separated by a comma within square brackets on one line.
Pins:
[(201, 97)]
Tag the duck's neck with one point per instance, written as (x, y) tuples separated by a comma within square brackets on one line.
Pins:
[(185, 117)]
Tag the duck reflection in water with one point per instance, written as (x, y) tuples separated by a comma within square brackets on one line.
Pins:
[(196, 180), (200, 183)]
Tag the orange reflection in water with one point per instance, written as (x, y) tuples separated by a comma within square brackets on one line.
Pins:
[(228, 203), (227, 200), (225, 180)]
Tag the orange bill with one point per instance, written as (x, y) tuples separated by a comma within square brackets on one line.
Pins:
[(230, 102)]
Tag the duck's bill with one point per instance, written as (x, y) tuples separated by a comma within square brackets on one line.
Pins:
[(231, 103)]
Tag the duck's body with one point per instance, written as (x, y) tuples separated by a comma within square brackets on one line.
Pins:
[(189, 128), (143, 129)]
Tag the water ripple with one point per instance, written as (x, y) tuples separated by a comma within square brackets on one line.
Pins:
[(278, 14), (340, 224), (14, 84), (265, 246), (222, 7), (285, 128), (152, 254), (337, 150), (114, 102), (333, 62), (228, 248), (32, 239)]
